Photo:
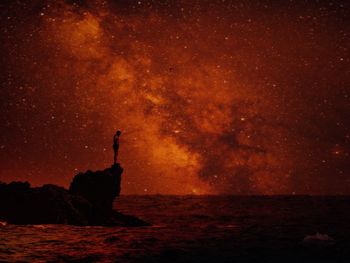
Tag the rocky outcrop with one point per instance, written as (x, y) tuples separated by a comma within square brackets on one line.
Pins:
[(49, 204), (88, 201), (100, 188)]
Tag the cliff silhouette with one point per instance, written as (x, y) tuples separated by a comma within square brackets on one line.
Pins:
[(89, 201)]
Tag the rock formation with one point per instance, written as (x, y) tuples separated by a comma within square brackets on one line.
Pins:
[(100, 188), (89, 201)]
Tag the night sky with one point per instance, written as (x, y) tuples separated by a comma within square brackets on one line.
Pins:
[(213, 97)]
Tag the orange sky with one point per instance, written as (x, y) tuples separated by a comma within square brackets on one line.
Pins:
[(212, 97)]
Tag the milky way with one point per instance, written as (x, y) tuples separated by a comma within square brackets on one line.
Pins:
[(234, 97)]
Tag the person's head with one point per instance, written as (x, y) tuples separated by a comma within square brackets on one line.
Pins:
[(118, 133)]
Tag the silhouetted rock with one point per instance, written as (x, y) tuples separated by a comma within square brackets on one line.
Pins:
[(49, 204), (89, 201), (100, 187)]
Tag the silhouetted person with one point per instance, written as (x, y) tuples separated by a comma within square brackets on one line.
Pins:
[(116, 145)]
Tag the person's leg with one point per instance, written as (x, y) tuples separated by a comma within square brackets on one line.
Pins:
[(116, 154)]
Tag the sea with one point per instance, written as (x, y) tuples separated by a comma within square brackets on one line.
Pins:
[(196, 229)]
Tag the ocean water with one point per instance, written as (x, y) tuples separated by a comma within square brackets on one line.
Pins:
[(196, 229)]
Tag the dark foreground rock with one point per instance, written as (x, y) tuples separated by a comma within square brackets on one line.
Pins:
[(100, 188), (89, 201)]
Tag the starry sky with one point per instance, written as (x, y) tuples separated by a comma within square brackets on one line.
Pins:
[(212, 97)]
